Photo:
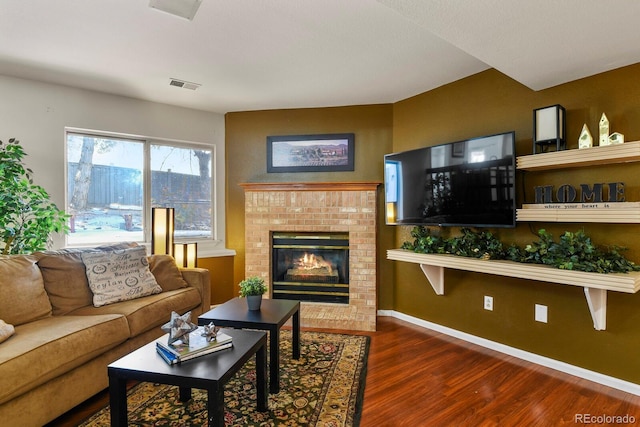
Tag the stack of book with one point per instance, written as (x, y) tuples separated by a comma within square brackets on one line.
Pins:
[(198, 346)]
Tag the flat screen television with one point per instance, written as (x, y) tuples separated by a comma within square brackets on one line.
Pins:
[(467, 183)]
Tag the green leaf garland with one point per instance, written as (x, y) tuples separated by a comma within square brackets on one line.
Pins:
[(574, 250)]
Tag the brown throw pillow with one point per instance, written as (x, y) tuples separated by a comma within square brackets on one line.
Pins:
[(66, 281), (166, 272), (65, 277), (22, 295)]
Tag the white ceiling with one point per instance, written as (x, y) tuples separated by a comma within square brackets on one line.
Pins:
[(272, 54)]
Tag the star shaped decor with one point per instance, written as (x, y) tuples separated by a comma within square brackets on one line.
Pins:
[(210, 332), (179, 327)]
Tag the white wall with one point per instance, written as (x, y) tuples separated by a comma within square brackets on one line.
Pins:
[(37, 113)]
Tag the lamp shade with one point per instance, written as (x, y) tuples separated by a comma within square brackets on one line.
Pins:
[(549, 128), (186, 254), (162, 227)]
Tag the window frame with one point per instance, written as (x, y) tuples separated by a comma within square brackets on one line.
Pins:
[(215, 242)]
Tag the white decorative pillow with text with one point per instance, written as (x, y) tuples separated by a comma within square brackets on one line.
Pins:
[(119, 275), (6, 330)]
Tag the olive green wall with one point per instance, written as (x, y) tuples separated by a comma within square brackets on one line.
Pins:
[(490, 102), (246, 139), (485, 103), (221, 277)]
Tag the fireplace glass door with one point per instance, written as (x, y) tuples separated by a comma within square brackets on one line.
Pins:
[(311, 266)]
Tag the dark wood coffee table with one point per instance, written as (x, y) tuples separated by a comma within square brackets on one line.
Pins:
[(272, 315), (210, 372)]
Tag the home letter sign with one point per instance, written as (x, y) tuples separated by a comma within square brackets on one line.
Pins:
[(594, 194)]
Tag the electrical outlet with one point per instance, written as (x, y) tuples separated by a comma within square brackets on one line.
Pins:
[(488, 303), (541, 313)]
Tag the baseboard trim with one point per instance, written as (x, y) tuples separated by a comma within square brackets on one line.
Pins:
[(577, 371)]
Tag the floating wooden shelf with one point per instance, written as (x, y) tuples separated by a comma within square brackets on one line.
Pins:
[(595, 285), (619, 212), (594, 156)]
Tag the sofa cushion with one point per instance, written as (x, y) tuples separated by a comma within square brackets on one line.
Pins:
[(65, 277), (6, 330), (22, 293), (46, 348), (166, 272), (119, 275), (148, 312)]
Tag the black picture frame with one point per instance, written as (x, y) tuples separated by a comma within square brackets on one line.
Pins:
[(333, 152)]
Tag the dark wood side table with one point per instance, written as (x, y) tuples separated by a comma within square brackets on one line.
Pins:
[(272, 315), (209, 372)]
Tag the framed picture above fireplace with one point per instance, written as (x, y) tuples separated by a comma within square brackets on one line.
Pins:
[(310, 153)]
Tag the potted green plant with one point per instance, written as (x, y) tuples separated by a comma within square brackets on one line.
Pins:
[(252, 288), (27, 215)]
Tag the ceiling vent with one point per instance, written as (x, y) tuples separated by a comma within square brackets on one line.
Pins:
[(183, 84), (183, 8)]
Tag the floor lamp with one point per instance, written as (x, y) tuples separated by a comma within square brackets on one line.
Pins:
[(162, 227)]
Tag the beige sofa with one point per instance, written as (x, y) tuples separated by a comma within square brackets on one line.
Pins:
[(56, 345)]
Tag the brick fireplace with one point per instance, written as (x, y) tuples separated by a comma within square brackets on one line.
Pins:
[(318, 207)]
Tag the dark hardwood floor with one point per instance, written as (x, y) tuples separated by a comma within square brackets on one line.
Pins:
[(417, 377)]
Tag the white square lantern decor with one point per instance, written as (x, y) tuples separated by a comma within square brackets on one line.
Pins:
[(549, 128)]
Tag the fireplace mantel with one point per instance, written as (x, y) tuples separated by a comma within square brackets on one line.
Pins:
[(318, 207), (310, 186)]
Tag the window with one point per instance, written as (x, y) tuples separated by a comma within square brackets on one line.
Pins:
[(110, 192)]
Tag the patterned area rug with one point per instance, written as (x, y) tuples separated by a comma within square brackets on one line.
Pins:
[(324, 387)]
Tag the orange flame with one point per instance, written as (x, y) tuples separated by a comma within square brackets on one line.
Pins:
[(310, 261)]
